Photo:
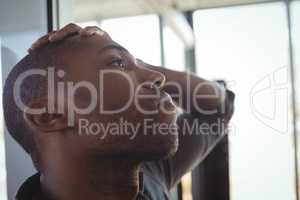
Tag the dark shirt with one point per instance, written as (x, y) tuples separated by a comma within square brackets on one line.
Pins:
[(153, 184)]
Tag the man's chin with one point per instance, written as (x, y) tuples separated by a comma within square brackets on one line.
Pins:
[(162, 146), (168, 137), (170, 148), (168, 117)]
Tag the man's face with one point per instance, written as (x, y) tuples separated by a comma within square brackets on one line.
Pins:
[(131, 115)]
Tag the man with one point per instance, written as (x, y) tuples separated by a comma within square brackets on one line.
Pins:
[(100, 124)]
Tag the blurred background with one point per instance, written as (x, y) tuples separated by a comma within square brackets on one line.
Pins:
[(254, 45)]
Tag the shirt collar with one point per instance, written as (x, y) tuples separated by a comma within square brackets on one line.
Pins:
[(32, 185), (29, 188)]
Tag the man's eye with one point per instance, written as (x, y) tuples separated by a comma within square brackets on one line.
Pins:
[(118, 63)]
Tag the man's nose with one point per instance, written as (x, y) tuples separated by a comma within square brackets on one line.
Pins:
[(153, 79)]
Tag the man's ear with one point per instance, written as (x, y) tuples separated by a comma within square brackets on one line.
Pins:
[(44, 122)]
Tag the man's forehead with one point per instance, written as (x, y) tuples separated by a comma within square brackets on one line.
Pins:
[(90, 46)]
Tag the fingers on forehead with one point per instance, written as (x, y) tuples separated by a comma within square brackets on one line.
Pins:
[(95, 30), (71, 27)]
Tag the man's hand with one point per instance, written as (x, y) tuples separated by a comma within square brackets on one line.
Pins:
[(70, 29)]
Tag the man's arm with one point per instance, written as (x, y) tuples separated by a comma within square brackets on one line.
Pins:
[(196, 143), (200, 130)]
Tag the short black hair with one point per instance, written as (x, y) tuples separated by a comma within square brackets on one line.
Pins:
[(32, 88)]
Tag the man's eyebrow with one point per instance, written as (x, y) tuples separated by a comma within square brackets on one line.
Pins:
[(113, 46)]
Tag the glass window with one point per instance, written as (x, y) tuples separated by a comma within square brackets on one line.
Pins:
[(295, 14), (248, 47), (186, 184), (2, 150), (139, 34), (173, 50), (88, 23)]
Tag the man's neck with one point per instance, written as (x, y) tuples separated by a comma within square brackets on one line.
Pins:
[(94, 179)]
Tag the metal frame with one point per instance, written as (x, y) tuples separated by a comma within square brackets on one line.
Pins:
[(162, 44), (293, 86), (190, 54), (50, 15), (53, 14)]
